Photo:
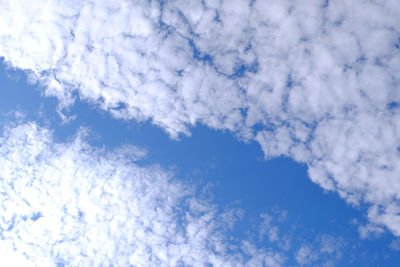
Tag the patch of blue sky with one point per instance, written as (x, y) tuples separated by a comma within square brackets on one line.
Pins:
[(239, 174), (17, 95)]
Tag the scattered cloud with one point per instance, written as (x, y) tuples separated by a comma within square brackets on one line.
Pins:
[(305, 255), (395, 245), (370, 230), (317, 82), (325, 251), (301, 248)]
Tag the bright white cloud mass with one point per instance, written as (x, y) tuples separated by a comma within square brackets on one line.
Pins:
[(69, 204), (313, 80)]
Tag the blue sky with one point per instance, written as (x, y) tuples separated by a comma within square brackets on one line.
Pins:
[(223, 133)]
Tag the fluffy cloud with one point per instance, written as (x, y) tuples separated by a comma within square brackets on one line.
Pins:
[(72, 204), (315, 81)]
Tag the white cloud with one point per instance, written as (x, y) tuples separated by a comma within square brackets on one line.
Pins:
[(69, 203), (73, 204), (296, 245), (269, 230), (317, 82), (325, 251), (305, 255)]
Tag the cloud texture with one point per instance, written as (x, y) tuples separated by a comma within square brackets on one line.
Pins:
[(74, 205), (70, 204), (316, 81)]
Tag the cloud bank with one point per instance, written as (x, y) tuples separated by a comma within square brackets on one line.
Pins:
[(315, 81), (70, 204)]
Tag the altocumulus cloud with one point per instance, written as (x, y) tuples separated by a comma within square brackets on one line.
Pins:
[(69, 204), (313, 80)]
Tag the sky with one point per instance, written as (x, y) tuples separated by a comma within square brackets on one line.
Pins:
[(208, 133)]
